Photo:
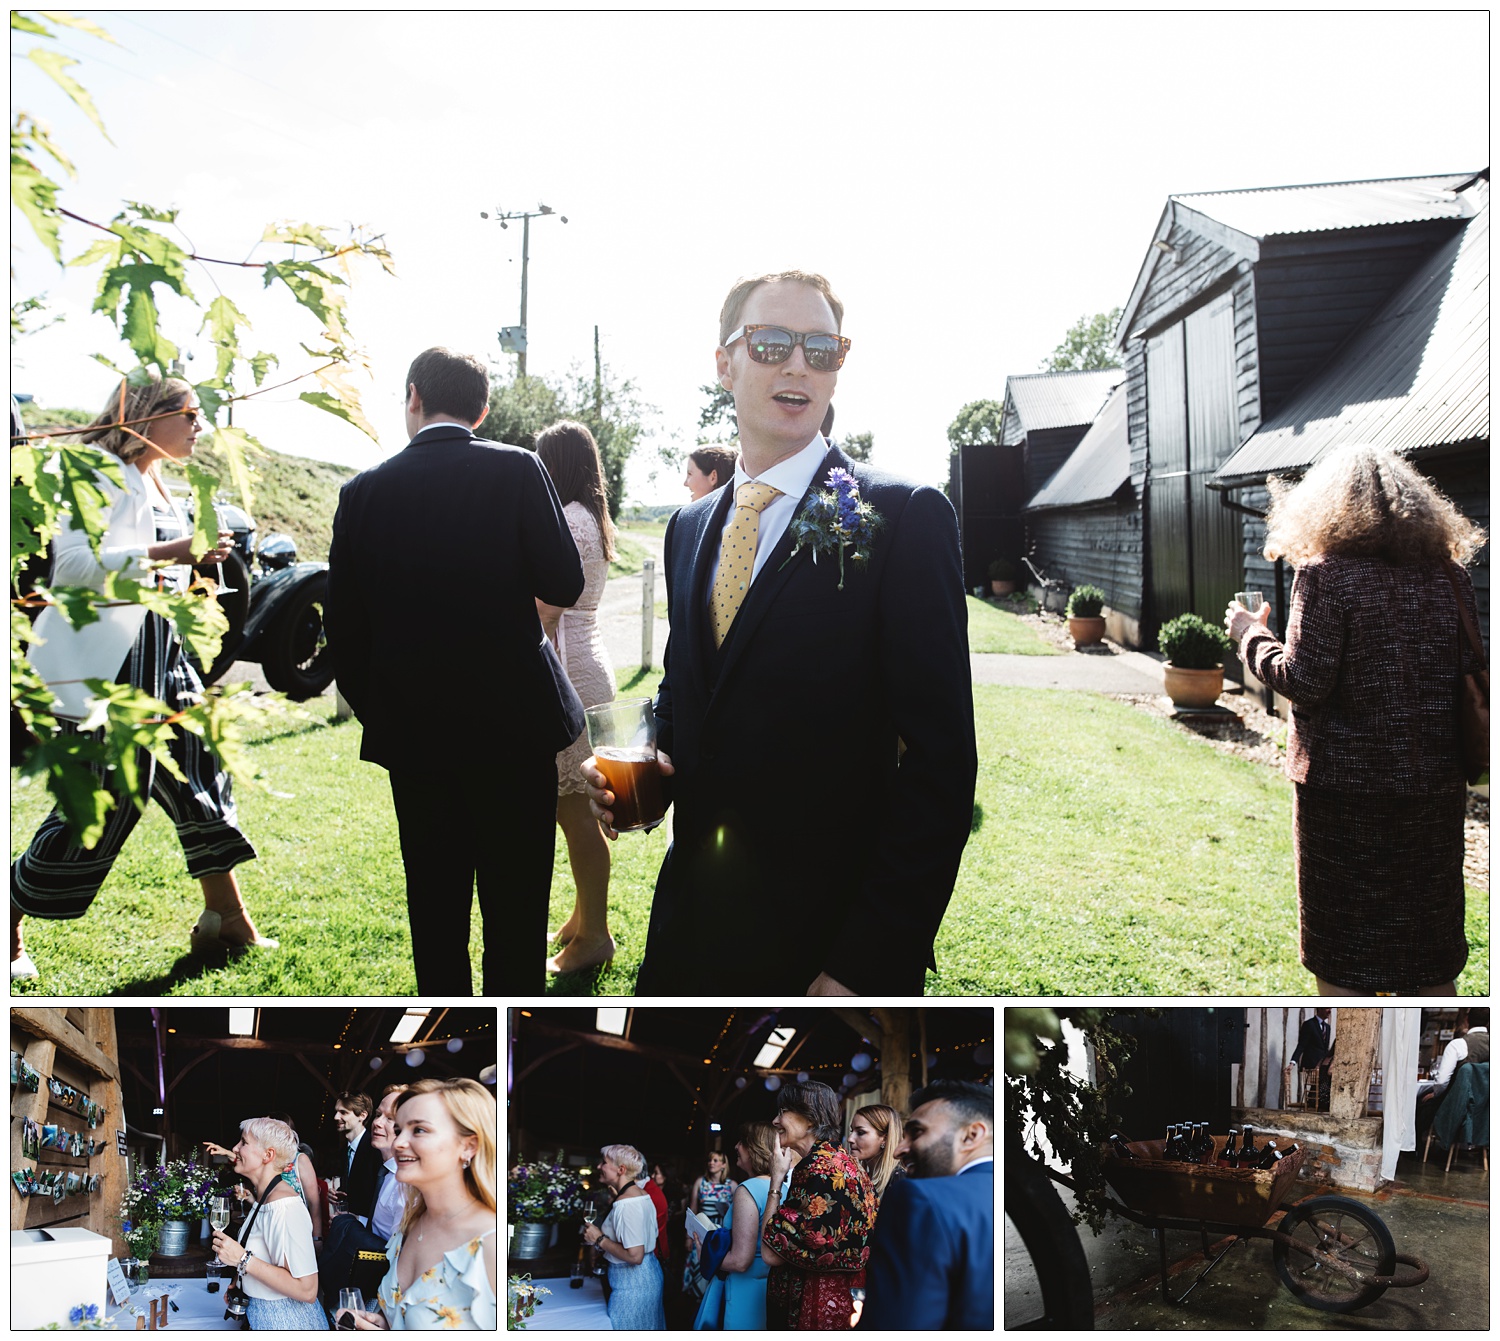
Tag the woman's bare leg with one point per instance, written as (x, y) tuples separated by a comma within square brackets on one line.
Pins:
[(587, 930)]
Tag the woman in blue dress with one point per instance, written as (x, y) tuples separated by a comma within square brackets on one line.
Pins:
[(628, 1240), (443, 1257), (736, 1297)]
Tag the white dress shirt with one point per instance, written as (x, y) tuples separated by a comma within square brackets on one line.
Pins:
[(1453, 1054), (792, 475), (389, 1204)]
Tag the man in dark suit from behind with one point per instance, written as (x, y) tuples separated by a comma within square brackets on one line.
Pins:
[(439, 556), (932, 1252)]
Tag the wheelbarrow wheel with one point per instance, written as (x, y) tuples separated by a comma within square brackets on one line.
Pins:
[(1344, 1229)]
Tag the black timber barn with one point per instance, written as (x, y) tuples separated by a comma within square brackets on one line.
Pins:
[(1266, 327)]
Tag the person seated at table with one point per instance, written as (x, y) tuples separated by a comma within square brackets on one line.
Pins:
[(443, 1256), (346, 1236), (626, 1238), (1473, 1046), (277, 1264), (736, 1297)]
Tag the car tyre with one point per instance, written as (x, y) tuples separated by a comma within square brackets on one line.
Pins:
[(295, 658)]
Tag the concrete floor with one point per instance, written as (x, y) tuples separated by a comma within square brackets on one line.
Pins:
[(1441, 1218)]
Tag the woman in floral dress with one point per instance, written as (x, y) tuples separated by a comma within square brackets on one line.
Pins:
[(571, 456), (443, 1257), (817, 1241)]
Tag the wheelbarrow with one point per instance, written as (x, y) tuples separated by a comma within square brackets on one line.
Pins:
[(1332, 1253)]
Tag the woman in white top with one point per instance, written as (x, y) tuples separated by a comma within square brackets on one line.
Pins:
[(277, 1262), (571, 456), (628, 1239), (139, 427), (443, 1258)]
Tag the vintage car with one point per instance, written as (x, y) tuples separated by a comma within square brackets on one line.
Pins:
[(275, 609)]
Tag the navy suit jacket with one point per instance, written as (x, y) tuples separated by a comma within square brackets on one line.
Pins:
[(932, 1255), (359, 1184), (437, 554), (788, 794)]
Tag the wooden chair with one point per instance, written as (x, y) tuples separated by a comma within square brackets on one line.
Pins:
[(1464, 1115)]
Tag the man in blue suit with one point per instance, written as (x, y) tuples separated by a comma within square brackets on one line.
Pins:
[(815, 716), (932, 1253)]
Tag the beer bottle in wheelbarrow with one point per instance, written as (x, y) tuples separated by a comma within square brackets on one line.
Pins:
[(1229, 1154), (1118, 1144), (1248, 1153)]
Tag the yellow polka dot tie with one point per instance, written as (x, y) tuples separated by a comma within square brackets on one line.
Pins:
[(737, 556)]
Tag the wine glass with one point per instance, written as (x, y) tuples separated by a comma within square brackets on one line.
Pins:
[(218, 1217), (334, 1184), (351, 1299)]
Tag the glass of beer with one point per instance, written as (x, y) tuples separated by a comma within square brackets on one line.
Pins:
[(1251, 600), (622, 736)]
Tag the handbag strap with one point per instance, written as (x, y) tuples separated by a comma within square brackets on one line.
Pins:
[(244, 1234), (1465, 619)]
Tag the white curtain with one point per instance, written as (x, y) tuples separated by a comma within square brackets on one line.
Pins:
[(1400, 1036)]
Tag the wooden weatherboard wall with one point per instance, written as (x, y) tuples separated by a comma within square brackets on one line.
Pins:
[(76, 1045)]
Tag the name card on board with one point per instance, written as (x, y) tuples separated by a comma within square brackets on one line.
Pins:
[(119, 1291)]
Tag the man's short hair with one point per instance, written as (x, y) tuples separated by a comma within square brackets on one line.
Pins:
[(969, 1100), (1479, 1015), (356, 1102), (390, 1090), (449, 383), (729, 314)]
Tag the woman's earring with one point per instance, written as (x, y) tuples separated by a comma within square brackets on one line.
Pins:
[(467, 1162)]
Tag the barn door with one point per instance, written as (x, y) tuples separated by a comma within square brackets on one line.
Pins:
[(1196, 544)]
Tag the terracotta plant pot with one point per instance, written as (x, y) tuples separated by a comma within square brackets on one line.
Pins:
[(1193, 688), (1085, 629), (1001, 588)]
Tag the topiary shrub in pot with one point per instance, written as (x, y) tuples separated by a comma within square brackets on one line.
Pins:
[(1002, 577), (1085, 623), (1195, 651)]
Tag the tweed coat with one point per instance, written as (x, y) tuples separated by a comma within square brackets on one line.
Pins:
[(1371, 664)]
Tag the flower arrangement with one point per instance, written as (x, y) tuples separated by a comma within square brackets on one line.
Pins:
[(835, 519), (84, 1318), (176, 1191), (542, 1192), (143, 1239)]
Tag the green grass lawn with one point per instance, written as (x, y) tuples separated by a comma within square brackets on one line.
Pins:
[(992, 629), (1111, 854)]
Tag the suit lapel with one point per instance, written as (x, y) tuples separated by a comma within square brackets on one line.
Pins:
[(774, 575), (692, 613)]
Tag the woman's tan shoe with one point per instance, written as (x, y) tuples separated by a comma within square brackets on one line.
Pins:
[(208, 934)]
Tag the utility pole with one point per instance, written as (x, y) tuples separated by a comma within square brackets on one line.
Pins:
[(513, 338)]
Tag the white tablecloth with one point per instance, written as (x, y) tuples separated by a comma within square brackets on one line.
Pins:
[(569, 1310), (197, 1310)]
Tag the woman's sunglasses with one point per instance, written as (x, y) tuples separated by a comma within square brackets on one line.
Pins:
[(774, 344)]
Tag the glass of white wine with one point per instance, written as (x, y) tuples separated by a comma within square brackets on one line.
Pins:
[(218, 1217)]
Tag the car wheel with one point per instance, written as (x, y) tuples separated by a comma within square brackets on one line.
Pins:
[(235, 603), (294, 650)]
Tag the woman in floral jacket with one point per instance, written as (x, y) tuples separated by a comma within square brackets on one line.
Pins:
[(816, 1242)]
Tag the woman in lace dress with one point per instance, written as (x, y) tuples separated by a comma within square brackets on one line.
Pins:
[(571, 456)]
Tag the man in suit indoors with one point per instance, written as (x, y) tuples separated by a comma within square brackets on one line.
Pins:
[(439, 556), (815, 718), (932, 1252), (348, 1234), (351, 1110), (1314, 1052)]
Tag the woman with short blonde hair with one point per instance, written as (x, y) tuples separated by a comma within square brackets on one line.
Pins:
[(627, 1238), (1377, 637)]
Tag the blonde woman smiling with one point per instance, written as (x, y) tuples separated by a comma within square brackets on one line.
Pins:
[(443, 1256)]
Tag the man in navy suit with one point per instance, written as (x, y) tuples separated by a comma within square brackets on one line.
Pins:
[(932, 1252), (816, 715), (439, 556)]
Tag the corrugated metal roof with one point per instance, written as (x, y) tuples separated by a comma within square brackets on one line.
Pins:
[(1415, 378), (1098, 466), (1268, 211), (1054, 400)]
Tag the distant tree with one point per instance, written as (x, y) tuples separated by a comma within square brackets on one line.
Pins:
[(717, 417), (1089, 345), (519, 410), (858, 446)]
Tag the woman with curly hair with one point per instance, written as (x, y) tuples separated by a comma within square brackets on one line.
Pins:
[(874, 1135), (817, 1242), (1371, 662)]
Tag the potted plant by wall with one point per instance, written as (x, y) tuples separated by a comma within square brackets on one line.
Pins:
[(1002, 577), (1085, 623), (1195, 651)]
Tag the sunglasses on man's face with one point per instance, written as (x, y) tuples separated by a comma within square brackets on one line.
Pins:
[(774, 344)]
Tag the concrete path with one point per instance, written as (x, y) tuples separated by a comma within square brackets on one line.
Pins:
[(1116, 671)]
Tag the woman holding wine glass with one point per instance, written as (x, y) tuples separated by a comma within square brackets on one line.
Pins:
[(627, 1238), (443, 1258), (276, 1262)]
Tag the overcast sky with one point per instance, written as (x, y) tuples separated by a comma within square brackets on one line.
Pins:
[(971, 183)]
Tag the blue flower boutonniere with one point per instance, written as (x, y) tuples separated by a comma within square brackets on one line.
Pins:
[(836, 519)]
